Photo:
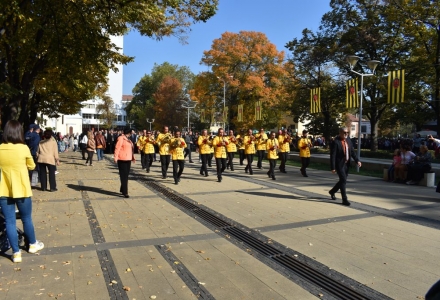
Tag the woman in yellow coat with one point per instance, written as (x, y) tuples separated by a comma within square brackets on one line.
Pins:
[(231, 148), (205, 144), (220, 143), (177, 151), (249, 150), (272, 147), (15, 188)]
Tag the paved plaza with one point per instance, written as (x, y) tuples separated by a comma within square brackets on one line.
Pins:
[(248, 237)]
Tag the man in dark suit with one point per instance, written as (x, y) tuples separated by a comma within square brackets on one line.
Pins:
[(340, 153)]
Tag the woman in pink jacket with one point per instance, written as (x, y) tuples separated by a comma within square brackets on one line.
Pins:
[(123, 157)]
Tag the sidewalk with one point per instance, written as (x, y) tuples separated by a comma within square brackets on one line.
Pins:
[(99, 245)]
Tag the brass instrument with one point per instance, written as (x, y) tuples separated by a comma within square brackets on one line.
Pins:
[(287, 138), (252, 137), (167, 138), (239, 142)]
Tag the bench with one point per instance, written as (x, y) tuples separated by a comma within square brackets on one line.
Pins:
[(428, 178)]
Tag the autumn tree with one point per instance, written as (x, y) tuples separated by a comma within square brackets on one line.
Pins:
[(56, 51), (168, 104), (252, 69), (143, 104)]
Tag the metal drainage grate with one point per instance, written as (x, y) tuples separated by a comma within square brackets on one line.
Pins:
[(337, 288)]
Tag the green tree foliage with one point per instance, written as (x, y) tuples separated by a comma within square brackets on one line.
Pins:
[(54, 51), (143, 105)]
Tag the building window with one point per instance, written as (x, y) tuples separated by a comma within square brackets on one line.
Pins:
[(97, 117), (119, 118), (87, 116), (125, 118), (89, 106), (353, 127)]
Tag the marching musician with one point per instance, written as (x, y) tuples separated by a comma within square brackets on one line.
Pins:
[(140, 145), (231, 148), (220, 143), (149, 150), (304, 145), (211, 153), (204, 143), (249, 150), (261, 139), (163, 140), (272, 147), (284, 142), (240, 146), (178, 146)]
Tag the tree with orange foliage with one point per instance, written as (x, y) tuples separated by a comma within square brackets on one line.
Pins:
[(168, 104), (252, 69)]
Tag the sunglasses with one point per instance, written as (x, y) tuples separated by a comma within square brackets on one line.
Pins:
[(345, 132)]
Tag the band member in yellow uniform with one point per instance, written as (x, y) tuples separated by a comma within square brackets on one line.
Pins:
[(178, 146), (163, 140), (249, 150), (231, 148), (140, 145), (220, 143), (205, 150), (260, 142), (240, 146), (211, 154), (272, 147), (148, 151), (284, 142), (304, 145)]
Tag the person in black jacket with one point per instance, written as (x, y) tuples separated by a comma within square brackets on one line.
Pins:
[(340, 154)]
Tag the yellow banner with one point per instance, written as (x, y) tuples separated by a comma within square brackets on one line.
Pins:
[(396, 86), (258, 109), (202, 116), (352, 99), (240, 113), (315, 100)]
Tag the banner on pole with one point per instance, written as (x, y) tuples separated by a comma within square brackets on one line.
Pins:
[(240, 113), (315, 100), (396, 86), (258, 110), (352, 99)]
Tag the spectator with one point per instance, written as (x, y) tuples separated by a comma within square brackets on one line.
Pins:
[(417, 142), (396, 161), (100, 145), (91, 147), (47, 157), (421, 165), (407, 157)]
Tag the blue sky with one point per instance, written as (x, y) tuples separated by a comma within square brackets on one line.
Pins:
[(280, 20)]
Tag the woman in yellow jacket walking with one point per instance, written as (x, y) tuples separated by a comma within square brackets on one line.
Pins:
[(220, 143), (272, 147), (15, 188), (205, 150), (249, 150), (304, 145), (178, 146)]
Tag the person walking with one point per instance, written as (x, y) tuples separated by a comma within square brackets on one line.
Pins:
[(304, 145), (220, 143), (340, 154), (15, 188), (189, 142), (91, 146), (124, 155), (100, 145), (284, 142), (231, 148), (204, 149), (47, 158), (83, 139), (272, 147), (178, 146), (249, 151), (260, 144), (163, 140)]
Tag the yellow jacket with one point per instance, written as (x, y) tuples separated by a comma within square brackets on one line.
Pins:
[(204, 144), (303, 145), (177, 147), (146, 145), (271, 147), (260, 141), (232, 144), (219, 149), (284, 144), (249, 145), (164, 143), (242, 142), (15, 162)]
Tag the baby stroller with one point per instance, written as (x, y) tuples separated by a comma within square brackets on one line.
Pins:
[(4, 242)]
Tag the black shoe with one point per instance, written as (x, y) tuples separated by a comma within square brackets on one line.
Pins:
[(201, 173), (148, 170), (219, 178), (54, 190), (268, 174), (305, 175), (246, 170), (332, 195), (126, 196), (206, 174), (176, 181), (251, 172), (346, 203), (191, 162), (273, 178), (283, 171), (164, 177)]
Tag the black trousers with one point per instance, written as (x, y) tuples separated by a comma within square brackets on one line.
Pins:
[(283, 158), (188, 153), (305, 161), (416, 172), (43, 176), (241, 156), (83, 151), (272, 165), (204, 168), (341, 184), (142, 159), (178, 166), (90, 156), (164, 163), (231, 160), (211, 155), (148, 160), (221, 166), (260, 155), (124, 170), (250, 159)]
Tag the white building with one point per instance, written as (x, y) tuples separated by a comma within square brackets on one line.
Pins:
[(88, 118)]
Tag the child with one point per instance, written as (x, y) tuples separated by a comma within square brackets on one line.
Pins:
[(396, 161)]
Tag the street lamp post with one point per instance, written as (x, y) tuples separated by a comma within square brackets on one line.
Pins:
[(152, 121), (372, 64), (224, 99), (189, 105)]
